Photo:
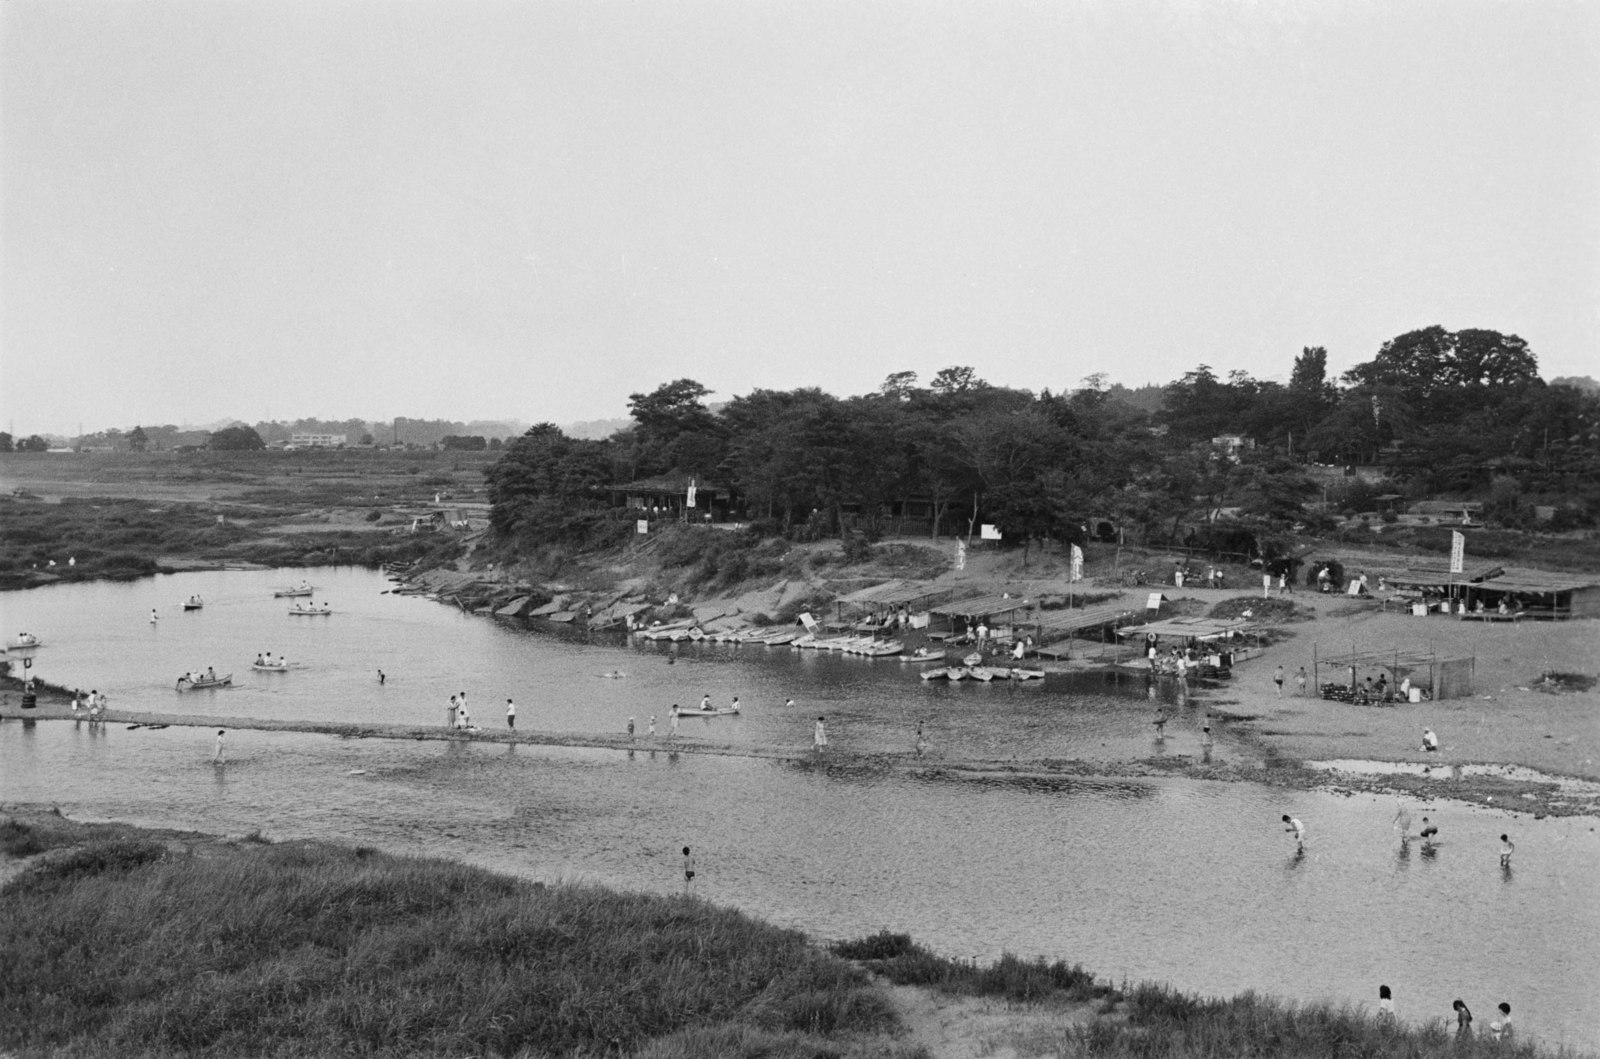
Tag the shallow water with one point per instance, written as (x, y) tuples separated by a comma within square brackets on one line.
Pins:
[(1174, 880)]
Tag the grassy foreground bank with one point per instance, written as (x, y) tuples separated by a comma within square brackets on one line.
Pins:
[(122, 942)]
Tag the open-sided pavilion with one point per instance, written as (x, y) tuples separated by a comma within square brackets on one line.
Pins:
[(1435, 676)]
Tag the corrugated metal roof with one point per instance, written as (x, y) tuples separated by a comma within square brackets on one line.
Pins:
[(1199, 628), (978, 605), (1084, 618)]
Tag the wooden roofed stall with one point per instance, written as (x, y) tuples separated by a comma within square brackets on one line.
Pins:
[(893, 602), (666, 496), (1055, 627), (1430, 676), (1225, 640), (1535, 594), (964, 616)]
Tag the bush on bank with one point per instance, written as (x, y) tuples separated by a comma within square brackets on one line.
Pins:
[(122, 947)]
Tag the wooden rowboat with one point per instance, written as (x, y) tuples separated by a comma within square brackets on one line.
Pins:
[(185, 683)]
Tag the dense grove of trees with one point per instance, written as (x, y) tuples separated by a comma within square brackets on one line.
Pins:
[(1460, 414)]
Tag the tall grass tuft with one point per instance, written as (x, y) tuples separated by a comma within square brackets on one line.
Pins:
[(902, 961)]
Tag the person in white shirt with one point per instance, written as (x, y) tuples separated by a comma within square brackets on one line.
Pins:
[(1298, 829)]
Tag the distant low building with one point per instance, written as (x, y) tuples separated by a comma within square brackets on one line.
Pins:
[(316, 441)]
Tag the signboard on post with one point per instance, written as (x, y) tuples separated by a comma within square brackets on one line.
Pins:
[(642, 526), (989, 532), (1458, 551)]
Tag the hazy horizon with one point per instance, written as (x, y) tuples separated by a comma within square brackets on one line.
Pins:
[(528, 211)]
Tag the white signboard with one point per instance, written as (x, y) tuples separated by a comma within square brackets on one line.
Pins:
[(989, 532), (642, 526), (1458, 551), (1154, 602)]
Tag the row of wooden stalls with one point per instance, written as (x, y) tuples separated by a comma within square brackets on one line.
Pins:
[(1111, 634), (1001, 620)]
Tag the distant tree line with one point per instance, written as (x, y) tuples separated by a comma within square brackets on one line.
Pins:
[(1457, 413), (477, 435)]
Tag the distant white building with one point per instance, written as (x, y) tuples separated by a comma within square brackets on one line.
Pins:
[(316, 441)]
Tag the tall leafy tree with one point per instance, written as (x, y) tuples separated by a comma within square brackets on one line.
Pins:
[(675, 431), (235, 439), (548, 485)]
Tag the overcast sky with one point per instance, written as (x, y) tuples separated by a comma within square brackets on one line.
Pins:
[(532, 209)]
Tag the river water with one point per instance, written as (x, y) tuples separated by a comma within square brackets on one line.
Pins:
[(1188, 882)]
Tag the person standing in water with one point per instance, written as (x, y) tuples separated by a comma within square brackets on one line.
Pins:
[(819, 736), (688, 868), (1300, 682), (630, 729), (153, 615), (1161, 726), (1277, 678), (218, 758), (511, 715), (673, 722), (381, 678), (450, 712), (652, 726), (1429, 832), (1507, 847), (1298, 829), (1402, 823), (1205, 732)]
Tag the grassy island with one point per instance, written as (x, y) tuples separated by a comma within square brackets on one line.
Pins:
[(127, 942)]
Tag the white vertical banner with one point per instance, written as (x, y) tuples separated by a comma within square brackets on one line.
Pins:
[(1458, 551), (961, 555), (1077, 564), (689, 502)]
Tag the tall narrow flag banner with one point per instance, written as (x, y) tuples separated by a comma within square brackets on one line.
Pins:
[(690, 501), (1458, 551), (1077, 563)]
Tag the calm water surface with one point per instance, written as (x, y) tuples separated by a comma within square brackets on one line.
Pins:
[(1181, 881)]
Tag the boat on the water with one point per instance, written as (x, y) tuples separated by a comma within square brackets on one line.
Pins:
[(298, 609), (23, 641), (707, 713), (291, 593), (193, 682), (193, 603), (271, 667), (923, 654)]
